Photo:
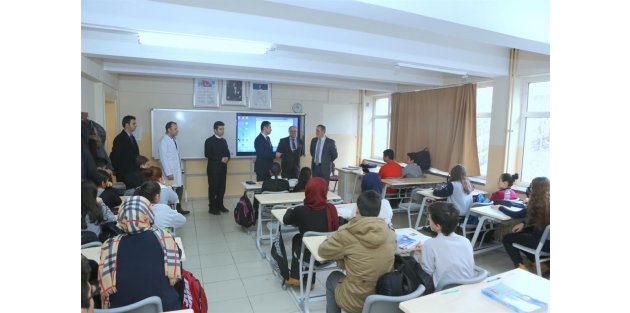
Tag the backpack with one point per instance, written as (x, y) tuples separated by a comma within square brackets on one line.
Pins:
[(194, 295), (244, 215), (405, 278), (423, 158), (279, 260)]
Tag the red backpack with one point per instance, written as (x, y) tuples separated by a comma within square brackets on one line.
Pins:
[(194, 295)]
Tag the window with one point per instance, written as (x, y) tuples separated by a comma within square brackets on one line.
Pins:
[(484, 109), (380, 127), (530, 125), (535, 131)]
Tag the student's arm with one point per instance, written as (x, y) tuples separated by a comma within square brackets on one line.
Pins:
[(289, 217), (108, 215), (518, 214), (177, 219), (444, 192), (172, 196), (428, 258), (334, 247)]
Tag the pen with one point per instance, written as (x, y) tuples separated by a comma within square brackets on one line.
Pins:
[(491, 280), (450, 291)]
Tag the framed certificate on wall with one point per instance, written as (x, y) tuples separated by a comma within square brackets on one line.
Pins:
[(206, 93), (260, 96)]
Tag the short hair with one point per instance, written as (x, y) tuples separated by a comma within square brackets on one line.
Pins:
[(156, 173), (446, 215), (101, 177), (127, 119), (149, 190), (322, 127), (389, 153), (169, 124), (292, 127), (369, 203), (275, 169), (141, 160), (85, 283), (217, 124), (264, 124)]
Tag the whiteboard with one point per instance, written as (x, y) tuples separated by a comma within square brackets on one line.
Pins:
[(195, 126)]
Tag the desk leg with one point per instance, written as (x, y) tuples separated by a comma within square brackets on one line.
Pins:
[(384, 192), (307, 294), (259, 231), (482, 221), (421, 211), (354, 188)]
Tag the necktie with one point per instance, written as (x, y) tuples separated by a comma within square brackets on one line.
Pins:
[(318, 151), (133, 140), (292, 144), (269, 141), (175, 142)]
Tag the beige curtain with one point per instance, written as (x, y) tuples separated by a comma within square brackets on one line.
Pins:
[(444, 120)]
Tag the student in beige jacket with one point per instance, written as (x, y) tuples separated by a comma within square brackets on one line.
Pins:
[(366, 246)]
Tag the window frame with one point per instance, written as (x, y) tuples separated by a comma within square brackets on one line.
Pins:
[(487, 115), (378, 155)]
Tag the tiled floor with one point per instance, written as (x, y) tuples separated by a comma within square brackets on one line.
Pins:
[(223, 256)]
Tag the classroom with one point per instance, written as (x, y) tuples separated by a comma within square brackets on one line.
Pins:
[(360, 68)]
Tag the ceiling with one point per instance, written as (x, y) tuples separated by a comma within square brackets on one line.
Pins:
[(346, 44)]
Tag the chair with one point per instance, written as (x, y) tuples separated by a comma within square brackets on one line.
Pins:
[(449, 283), (389, 304), (149, 305), (470, 228), (305, 263), (334, 177), (91, 244), (539, 255), (412, 205)]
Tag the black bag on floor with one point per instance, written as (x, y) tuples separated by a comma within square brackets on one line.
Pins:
[(279, 260), (244, 214), (405, 278)]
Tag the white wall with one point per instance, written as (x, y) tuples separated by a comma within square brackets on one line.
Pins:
[(87, 97)]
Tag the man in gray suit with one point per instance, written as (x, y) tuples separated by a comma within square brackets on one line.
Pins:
[(324, 152)]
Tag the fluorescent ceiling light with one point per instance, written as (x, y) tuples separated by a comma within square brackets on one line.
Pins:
[(430, 68), (217, 44)]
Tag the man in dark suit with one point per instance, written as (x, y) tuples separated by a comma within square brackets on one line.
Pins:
[(125, 149), (218, 154), (324, 152), (264, 152), (291, 149)]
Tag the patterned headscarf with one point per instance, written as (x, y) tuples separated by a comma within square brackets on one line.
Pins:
[(315, 199), (135, 216)]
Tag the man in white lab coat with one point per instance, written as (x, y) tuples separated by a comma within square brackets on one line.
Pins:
[(171, 163)]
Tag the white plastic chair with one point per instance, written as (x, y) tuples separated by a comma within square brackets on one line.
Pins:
[(149, 305), (389, 304), (449, 283), (539, 255), (411, 205), (305, 263), (91, 244)]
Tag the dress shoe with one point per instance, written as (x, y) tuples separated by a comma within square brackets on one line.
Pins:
[(183, 212), (215, 212), (224, 210)]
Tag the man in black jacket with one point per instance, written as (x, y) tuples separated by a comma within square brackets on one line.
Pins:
[(125, 149), (291, 149), (218, 154)]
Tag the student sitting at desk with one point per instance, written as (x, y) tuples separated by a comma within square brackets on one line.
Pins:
[(412, 170), (165, 216), (449, 255), (315, 215), (458, 190), (167, 194), (505, 191), (371, 181), (137, 176), (529, 232), (275, 183), (142, 262), (305, 175), (105, 191), (391, 169), (367, 246), (94, 213)]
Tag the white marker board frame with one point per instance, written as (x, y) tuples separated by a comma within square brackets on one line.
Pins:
[(196, 125)]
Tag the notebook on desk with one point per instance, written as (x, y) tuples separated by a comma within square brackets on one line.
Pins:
[(513, 299), (407, 240)]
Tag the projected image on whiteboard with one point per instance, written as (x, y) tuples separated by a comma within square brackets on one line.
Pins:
[(248, 127)]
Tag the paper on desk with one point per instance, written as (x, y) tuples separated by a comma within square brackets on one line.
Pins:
[(345, 212), (407, 240)]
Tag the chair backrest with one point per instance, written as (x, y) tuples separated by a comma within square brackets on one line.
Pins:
[(449, 283), (91, 244), (268, 192), (389, 304), (545, 236), (149, 305)]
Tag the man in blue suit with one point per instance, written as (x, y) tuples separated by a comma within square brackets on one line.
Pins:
[(264, 152)]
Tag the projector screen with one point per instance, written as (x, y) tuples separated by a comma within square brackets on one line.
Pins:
[(248, 128)]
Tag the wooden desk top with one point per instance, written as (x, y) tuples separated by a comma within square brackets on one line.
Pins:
[(258, 185), (395, 182), (488, 210), (429, 193), (313, 243), (468, 298), (279, 213), (94, 253), (285, 198)]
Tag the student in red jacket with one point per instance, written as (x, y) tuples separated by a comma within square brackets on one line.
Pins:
[(391, 169), (505, 184)]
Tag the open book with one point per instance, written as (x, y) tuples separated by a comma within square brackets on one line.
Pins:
[(408, 239), (513, 299)]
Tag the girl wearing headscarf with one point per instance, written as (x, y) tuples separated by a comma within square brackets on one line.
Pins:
[(142, 262), (371, 181), (315, 215)]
